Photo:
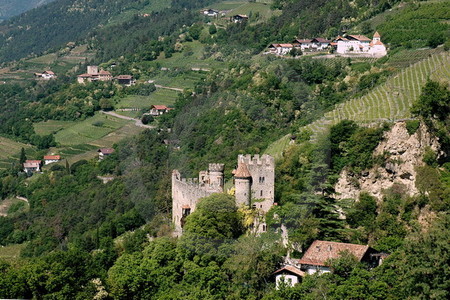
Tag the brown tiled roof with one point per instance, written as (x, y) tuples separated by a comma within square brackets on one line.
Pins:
[(376, 34), (305, 41), (360, 37), (378, 43), (321, 40), (291, 269), (321, 251), (124, 77), (33, 161), (242, 171), (85, 75), (49, 72), (103, 72)]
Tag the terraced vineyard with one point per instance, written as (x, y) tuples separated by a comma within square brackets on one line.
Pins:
[(388, 102)]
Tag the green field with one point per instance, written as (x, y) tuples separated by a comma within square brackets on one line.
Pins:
[(10, 148), (11, 253), (86, 132), (51, 126), (186, 80), (160, 96), (389, 101)]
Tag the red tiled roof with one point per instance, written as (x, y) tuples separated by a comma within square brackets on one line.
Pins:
[(378, 43), (33, 161), (85, 75), (106, 150), (49, 72), (376, 35), (103, 72), (321, 251), (242, 171), (52, 157), (160, 107), (291, 269), (286, 45)]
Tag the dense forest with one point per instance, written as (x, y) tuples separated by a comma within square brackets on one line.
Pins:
[(83, 238)]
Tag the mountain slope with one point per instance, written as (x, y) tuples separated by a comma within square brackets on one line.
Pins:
[(10, 8)]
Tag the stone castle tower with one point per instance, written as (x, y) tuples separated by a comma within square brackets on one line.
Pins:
[(254, 181), (187, 191)]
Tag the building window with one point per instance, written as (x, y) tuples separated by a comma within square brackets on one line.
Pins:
[(261, 179), (264, 228), (261, 194)]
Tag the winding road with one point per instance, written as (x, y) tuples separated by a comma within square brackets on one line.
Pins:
[(137, 122)]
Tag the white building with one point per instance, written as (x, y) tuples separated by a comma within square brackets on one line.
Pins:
[(30, 166), (280, 49), (288, 276), (48, 159), (360, 44)]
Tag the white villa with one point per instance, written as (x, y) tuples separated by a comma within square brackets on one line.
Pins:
[(360, 44)]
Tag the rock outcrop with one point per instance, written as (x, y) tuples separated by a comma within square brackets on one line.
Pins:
[(403, 152)]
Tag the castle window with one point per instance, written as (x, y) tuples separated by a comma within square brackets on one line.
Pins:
[(264, 228), (261, 179), (261, 194)]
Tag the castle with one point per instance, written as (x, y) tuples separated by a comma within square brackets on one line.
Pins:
[(254, 182)]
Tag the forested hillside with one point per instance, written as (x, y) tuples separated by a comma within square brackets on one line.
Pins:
[(93, 226)]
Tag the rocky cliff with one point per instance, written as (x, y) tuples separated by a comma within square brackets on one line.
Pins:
[(403, 152)]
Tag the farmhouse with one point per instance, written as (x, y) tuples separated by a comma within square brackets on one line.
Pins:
[(93, 75), (280, 49), (126, 80), (239, 18), (288, 275), (315, 44), (157, 110), (46, 75), (103, 152), (30, 166), (316, 258), (48, 159), (211, 12), (360, 44)]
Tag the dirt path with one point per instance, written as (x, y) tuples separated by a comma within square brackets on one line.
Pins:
[(137, 122), (5, 204), (168, 88)]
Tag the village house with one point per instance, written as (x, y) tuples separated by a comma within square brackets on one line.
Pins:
[(104, 152), (315, 44), (360, 44), (46, 75), (280, 49), (317, 257), (93, 74), (239, 18), (288, 276), (31, 166), (157, 110), (48, 159), (211, 12), (126, 80)]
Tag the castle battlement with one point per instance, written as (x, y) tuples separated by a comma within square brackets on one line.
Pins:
[(265, 159), (216, 167)]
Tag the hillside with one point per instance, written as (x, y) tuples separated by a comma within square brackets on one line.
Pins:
[(135, 90), (11, 8)]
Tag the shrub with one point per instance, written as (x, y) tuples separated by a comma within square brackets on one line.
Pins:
[(412, 126)]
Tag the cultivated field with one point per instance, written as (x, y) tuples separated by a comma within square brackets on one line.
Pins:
[(89, 130), (389, 101), (160, 96)]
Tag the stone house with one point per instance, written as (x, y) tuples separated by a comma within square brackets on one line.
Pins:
[(126, 80), (157, 110), (93, 74)]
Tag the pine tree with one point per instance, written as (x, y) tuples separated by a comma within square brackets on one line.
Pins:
[(23, 156)]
